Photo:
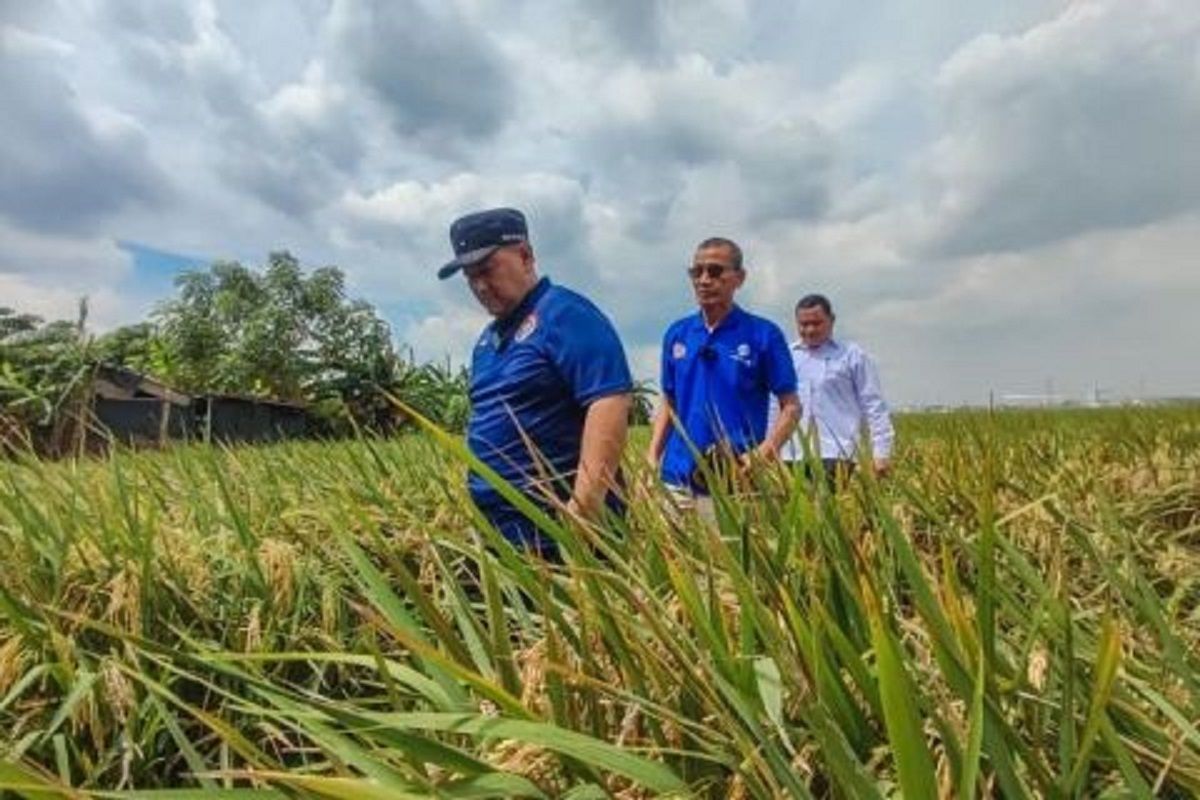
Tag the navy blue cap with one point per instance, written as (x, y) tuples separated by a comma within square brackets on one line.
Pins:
[(476, 236)]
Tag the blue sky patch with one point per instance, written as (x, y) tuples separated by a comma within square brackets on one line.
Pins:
[(154, 270)]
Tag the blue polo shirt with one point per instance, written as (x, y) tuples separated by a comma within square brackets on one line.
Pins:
[(720, 383), (533, 375)]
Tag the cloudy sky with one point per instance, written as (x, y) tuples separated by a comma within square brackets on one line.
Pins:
[(995, 195)]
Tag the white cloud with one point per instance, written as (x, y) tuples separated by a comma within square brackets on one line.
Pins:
[(106, 307), (419, 213), (1076, 124), (48, 275), (314, 101), (51, 257), (1109, 307), (17, 41), (449, 334)]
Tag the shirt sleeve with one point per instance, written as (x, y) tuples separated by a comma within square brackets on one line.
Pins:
[(588, 353), (666, 372), (874, 407), (781, 371)]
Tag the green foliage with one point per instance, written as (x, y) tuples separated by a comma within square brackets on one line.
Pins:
[(134, 346), (642, 409), (44, 369)]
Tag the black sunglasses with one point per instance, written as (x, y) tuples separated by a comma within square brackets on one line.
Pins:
[(712, 269)]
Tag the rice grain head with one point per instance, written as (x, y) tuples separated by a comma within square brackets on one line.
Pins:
[(119, 695), (1039, 664), (279, 560), (532, 663), (254, 637), (125, 600), (331, 608), (12, 663), (530, 761)]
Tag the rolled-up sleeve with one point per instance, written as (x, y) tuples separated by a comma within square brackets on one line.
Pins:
[(874, 407), (781, 372)]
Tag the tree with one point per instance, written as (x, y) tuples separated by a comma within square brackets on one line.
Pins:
[(278, 333), (44, 375), (134, 346), (641, 411)]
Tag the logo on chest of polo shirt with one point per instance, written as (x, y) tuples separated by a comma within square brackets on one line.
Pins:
[(528, 326), (742, 353), (679, 350)]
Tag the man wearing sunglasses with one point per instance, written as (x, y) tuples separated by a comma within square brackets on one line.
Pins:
[(720, 367), (550, 387)]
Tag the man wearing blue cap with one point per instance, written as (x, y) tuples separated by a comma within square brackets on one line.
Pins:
[(720, 367), (550, 387)]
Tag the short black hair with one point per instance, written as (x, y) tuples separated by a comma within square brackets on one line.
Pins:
[(815, 301), (730, 244)]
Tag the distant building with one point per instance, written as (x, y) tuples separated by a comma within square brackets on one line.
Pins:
[(233, 418), (139, 410)]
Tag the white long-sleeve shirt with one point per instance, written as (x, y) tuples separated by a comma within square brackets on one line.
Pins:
[(840, 395)]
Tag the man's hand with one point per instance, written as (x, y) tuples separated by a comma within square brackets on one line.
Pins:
[(762, 456), (575, 510), (604, 430), (660, 427), (767, 453)]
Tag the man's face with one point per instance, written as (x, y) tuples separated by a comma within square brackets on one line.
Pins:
[(714, 278), (501, 281), (814, 326)]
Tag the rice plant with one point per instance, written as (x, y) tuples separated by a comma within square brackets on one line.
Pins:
[(1014, 613)]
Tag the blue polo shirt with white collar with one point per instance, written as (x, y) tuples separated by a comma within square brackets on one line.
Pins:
[(720, 383), (533, 375)]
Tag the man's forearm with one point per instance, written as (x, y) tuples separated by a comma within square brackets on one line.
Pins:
[(785, 424), (659, 430), (604, 432)]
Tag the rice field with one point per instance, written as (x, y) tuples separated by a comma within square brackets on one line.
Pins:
[(1014, 613)]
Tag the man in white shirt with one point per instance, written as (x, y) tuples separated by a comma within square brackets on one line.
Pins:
[(840, 395)]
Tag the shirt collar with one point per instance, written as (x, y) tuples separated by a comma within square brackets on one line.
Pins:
[(506, 325), (730, 319), (828, 346)]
